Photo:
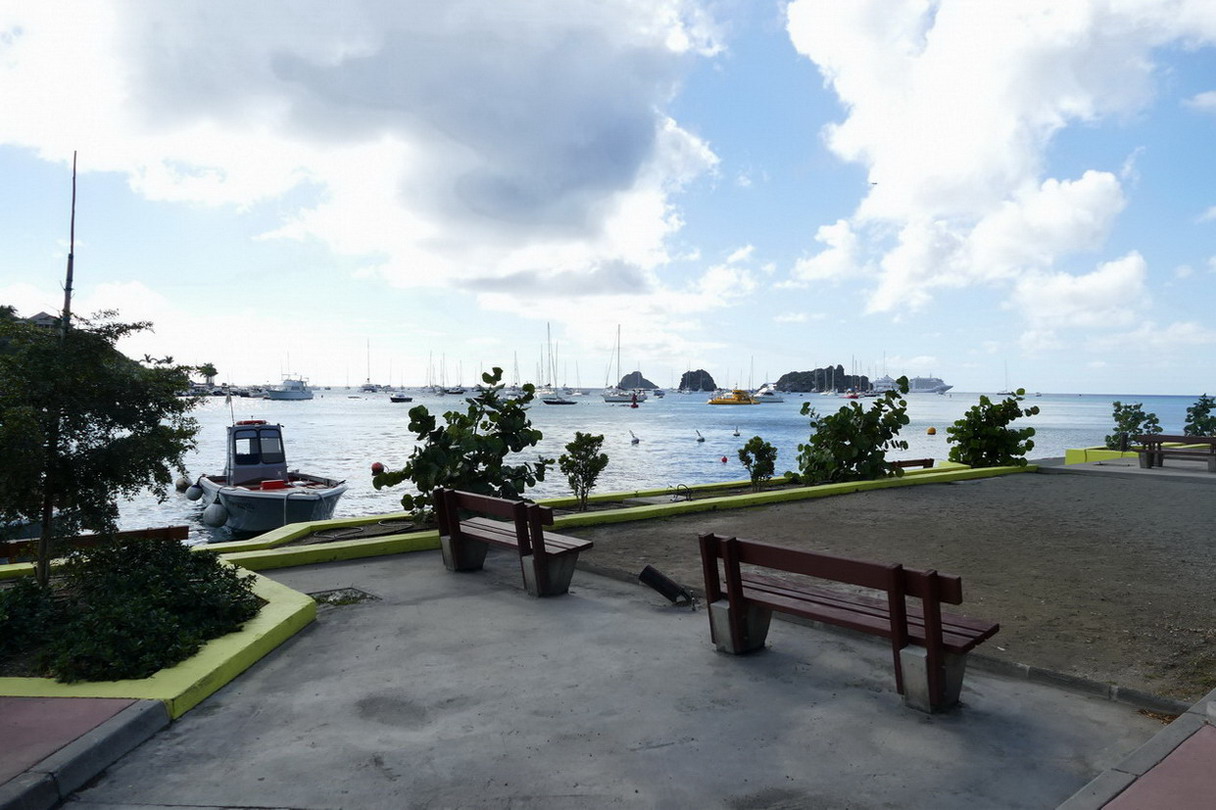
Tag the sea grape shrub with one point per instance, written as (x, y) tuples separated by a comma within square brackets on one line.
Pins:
[(27, 614), (1200, 421), (983, 438), (1131, 420), (582, 464), (760, 459), (126, 610), (852, 444), (469, 452)]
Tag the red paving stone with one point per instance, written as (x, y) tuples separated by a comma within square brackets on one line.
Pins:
[(1184, 780), (31, 729)]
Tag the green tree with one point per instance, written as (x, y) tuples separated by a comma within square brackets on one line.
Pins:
[(469, 452), (852, 444), (81, 425), (582, 464), (1131, 420), (208, 371), (760, 459), (983, 438), (1200, 421)]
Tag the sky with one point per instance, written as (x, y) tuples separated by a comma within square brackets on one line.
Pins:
[(1014, 193)]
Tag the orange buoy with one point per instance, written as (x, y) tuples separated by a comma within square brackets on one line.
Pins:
[(932, 431)]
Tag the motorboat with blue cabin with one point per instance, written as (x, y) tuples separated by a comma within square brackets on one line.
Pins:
[(257, 493)]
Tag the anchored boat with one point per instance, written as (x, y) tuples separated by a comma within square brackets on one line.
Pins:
[(256, 493), (735, 397)]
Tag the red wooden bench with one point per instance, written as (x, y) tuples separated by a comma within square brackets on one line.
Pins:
[(929, 647), (21, 550), (546, 559), (1153, 450)]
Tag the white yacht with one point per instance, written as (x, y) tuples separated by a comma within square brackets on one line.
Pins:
[(291, 388)]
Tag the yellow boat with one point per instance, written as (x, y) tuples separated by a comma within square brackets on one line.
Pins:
[(736, 397)]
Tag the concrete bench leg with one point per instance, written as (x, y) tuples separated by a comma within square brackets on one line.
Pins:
[(755, 627), (915, 664), (561, 571), (462, 555), (1146, 460)]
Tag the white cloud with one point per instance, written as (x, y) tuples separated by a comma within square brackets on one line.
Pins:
[(1204, 102), (837, 261), (951, 106), (1109, 297), (790, 317), (1208, 215), (1184, 271), (741, 255), (439, 142), (1154, 338)]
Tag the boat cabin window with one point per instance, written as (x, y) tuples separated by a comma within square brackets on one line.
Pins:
[(258, 446)]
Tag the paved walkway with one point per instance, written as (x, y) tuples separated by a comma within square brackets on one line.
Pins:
[(459, 690), (453, 690)]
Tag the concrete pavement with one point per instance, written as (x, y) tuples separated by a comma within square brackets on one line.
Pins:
[(459, 690)]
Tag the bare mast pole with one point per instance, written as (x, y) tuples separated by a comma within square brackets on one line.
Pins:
[(65, 321)]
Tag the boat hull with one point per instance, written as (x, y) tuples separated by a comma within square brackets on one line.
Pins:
[(247, 510)]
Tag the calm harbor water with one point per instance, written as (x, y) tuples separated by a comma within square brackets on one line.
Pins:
[(341, 432)]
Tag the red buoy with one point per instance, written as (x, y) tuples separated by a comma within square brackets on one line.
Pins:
[(723, 459), (377, 468)]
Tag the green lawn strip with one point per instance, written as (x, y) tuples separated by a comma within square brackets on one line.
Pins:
[(219, 661), (931, 476), (308, 554), (609, 497)]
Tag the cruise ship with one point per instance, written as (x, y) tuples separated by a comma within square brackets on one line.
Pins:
[(916, 385)]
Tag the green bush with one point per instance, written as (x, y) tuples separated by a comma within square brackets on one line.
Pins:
[(1131, 420), (852, 444), (760, 459), (27, 612), (983, 438), (469, 452), (126, 610), (582, 464), (1199, 418)]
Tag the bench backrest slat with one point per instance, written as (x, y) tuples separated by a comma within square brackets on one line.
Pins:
[(861, 573), (484, 504)]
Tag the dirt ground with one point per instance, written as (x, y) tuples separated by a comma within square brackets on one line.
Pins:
[(1105, 578)]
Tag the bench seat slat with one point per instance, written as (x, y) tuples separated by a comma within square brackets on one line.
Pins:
[(960, 634), (503, 534)]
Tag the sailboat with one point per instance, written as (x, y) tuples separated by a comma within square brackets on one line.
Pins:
[(369, 386), (616, 393), (554, 395)]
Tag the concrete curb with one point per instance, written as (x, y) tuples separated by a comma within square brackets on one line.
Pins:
[(1113, 781), (53, 779)]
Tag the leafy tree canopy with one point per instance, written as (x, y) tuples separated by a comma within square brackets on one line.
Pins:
[(82, 425)]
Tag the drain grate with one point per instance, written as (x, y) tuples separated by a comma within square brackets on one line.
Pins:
[(339, 597)]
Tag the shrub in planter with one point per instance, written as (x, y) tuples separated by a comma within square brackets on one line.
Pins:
[(983, 438), (126, 610), (1131, 420)]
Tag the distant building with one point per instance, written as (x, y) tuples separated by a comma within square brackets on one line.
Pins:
[(44, 320)]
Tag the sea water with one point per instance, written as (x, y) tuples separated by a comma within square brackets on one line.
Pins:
[(341, 432)]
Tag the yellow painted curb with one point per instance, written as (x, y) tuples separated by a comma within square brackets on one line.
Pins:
[(1082, 455), (219, 661)]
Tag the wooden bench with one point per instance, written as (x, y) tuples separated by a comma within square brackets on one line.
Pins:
[(1153, 451), (929, 647), (913, 462), (20, 550), (546, 559)]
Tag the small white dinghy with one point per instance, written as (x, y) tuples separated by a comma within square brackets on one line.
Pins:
[(256, 493)]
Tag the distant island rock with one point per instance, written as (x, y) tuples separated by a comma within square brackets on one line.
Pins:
[(829, 378), (698, 380), (634, 379)]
